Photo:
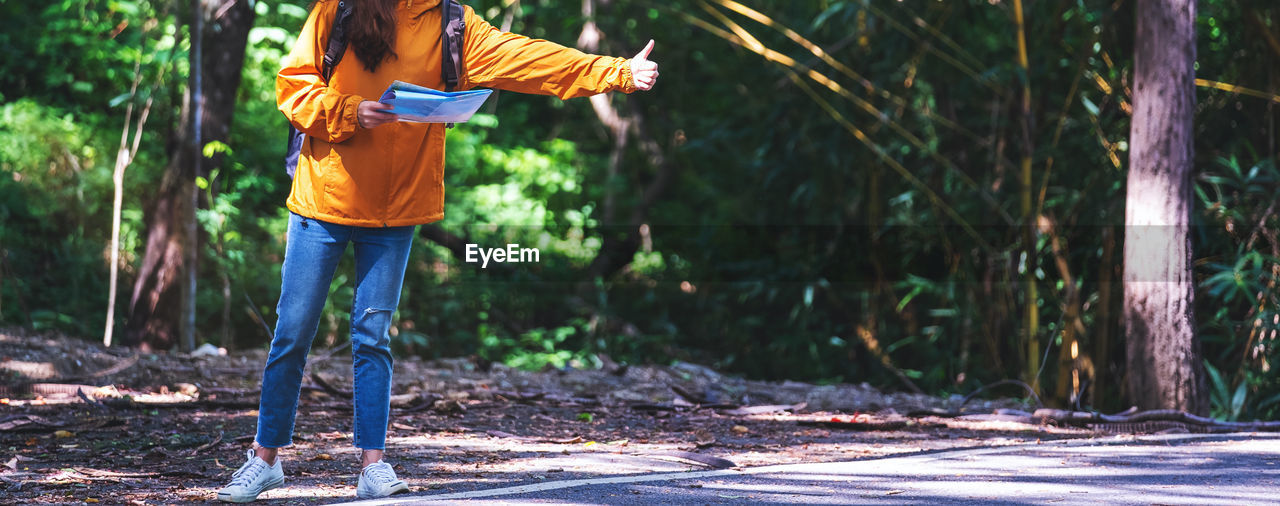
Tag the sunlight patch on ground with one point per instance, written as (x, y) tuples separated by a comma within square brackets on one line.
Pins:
[(29, 370), (295, 491), (548, 458)]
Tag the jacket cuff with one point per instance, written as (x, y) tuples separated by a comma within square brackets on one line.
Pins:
[(628, 84), (350, 120)]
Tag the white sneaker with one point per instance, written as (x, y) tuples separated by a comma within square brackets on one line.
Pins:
[(253, 478), (379, 480)]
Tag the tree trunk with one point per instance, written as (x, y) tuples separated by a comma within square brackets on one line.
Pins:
[(1163, 355), (156, 307)]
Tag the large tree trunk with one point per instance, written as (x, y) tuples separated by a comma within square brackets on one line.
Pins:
[(156, 307), (226, 36), (1164, 370)]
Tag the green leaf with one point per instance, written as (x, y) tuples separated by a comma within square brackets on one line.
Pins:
[(1219, 390), (1089, 105), (294, 11), (1268, 402), (130, 8), (215, 147), (119, 99), (1237, 401)]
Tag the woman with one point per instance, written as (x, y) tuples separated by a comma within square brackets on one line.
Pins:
[(365, 178)]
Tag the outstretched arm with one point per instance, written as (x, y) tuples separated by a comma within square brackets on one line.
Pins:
[(509, 61)]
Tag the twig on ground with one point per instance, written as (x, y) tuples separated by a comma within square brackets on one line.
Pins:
[(1156, 415), (332, 390)]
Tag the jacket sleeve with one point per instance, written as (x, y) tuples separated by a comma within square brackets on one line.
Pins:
[(497, 59), (302, 95)]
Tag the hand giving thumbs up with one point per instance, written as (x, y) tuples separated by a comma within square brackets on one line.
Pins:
[(644, 73)]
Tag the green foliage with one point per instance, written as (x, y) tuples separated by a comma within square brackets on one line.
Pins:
[(66, 94), (77, 53), (1239, 309), (1228, 403), (50, 234)]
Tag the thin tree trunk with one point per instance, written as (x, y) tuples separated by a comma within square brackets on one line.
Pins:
[(1163, 355), (190, 241), (124, 157)]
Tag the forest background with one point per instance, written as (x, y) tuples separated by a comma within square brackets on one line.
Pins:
[(823, 190)]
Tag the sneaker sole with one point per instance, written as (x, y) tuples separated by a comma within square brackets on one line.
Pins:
[(398, 487), (250, 498)]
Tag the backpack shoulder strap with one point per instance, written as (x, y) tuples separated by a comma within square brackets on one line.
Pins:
[(333, 51), (452, 28), (337, 45)]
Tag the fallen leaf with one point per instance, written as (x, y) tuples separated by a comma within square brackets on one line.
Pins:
[(63, 434), (739, 429), (12, 464), (586, 417), (322, 456), (90, 500), (704, 438), (589, 444)]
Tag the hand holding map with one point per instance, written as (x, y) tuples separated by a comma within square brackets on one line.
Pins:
[(425, 105)]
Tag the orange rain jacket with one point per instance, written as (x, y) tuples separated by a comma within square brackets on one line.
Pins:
[(393, 175)]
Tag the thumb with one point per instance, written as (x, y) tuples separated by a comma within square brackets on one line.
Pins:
[(644, 53)]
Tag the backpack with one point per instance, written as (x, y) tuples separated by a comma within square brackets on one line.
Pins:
[(452, 29)]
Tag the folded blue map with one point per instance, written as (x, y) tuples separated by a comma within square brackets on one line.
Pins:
[(425, 105)]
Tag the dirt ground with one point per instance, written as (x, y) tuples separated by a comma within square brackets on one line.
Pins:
[(171, 428)]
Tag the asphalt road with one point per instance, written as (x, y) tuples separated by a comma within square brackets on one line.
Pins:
[(1228, 469)]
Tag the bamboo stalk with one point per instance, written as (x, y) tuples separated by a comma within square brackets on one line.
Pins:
[(743, 38), (788, 64), (1031, 319), (1233, 88), (755, 45), (888, 160)]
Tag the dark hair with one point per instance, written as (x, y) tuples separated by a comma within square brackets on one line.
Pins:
[(373, 31)]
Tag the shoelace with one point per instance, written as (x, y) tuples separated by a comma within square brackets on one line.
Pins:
[(380, 472), (248, 472)]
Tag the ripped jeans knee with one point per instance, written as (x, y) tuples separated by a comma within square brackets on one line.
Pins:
[(371, 327)]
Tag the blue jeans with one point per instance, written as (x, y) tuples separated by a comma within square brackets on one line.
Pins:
[(311, 256)]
